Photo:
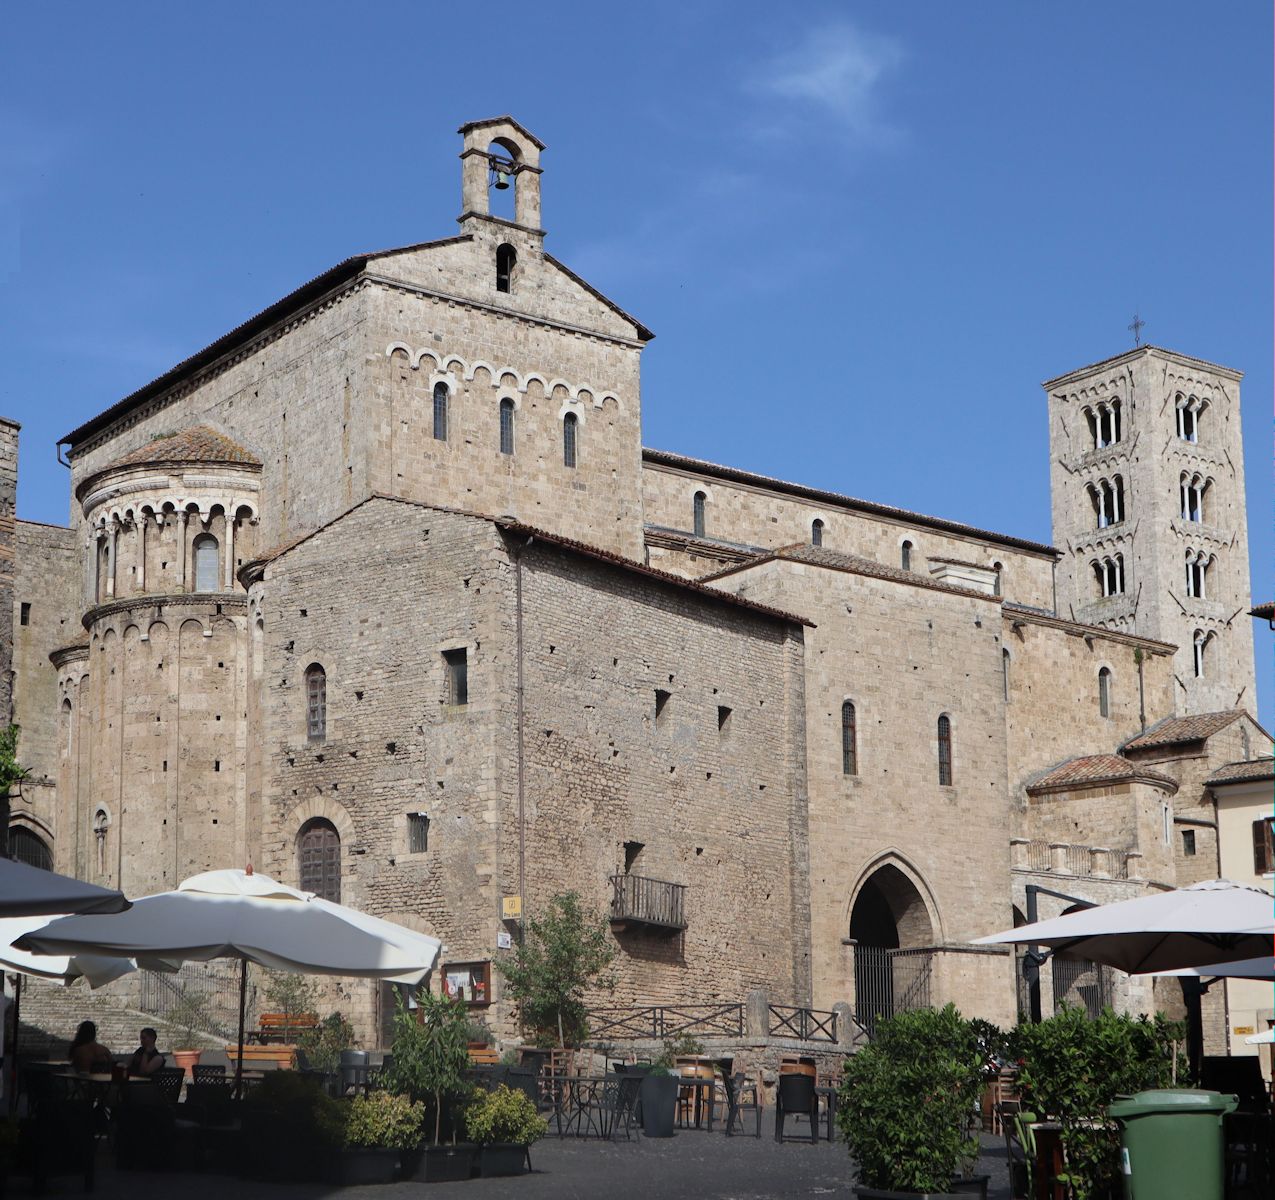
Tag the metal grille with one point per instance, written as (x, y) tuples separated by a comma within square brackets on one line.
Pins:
[(440, 412), (214, 988), (945, 751), (1081, 983), (890, 981), (506, 426), (849, 751), (29, 848), (417, 833), (319, 848), (316, 703), (569, 423), (698, 514)]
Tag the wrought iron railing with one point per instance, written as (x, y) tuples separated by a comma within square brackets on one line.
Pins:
[(656, 902), (656, 1022), (807, 1024), (213, 989)]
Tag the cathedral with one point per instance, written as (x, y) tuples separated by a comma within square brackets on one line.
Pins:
[(382, 592)]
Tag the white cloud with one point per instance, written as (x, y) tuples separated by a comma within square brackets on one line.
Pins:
[(836, 70)]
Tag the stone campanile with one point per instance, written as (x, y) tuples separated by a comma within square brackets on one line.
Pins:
[(1147, 483)]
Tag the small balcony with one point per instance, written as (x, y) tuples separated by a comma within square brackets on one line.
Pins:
[(647, 905)]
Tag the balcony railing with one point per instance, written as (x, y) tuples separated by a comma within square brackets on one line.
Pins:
[(640, 902), (1062, 858)]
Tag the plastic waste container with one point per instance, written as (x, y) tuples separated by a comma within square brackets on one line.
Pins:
[(1172, 1146)]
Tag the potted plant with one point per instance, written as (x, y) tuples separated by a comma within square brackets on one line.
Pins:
[(291, 1128), (504, 1123), (189, 1014), (658, 1097), (429, 1064), (478, 1034), (906, 1104), (376, 1128)]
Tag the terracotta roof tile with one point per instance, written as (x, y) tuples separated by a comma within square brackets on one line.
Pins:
[(199, 444), (1175, 731), (1263, 612), (1243, 772), (1095, 769)]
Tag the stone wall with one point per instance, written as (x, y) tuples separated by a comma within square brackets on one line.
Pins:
[(8, 548)]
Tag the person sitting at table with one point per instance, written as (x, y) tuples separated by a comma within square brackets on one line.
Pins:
[(87, 1054), (146, 1059)]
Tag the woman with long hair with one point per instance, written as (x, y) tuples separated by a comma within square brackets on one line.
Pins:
[(87, 1054)]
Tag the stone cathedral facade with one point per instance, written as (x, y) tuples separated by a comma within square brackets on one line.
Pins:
[(382, 592)]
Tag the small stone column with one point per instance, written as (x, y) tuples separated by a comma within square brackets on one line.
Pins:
[(1134, 867), (181, 551), (1018, 853), (757, 1015), (141, 552), (230, 552), (847, 1027), (112, 546), (1100, 862), (1058, 857)]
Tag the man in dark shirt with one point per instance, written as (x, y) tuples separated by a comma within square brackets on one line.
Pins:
[(146, 1059)]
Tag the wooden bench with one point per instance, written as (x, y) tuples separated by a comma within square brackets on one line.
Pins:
[(283, 1057), (281, 1027), (485, 1056)]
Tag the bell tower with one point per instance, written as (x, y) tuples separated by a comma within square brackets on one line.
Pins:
[(499, 154), (1147, 486)]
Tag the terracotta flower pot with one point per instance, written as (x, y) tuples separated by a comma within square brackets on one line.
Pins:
[(186, 1059)]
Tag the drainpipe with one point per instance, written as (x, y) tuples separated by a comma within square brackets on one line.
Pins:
[(519, 711), (1138, 657)]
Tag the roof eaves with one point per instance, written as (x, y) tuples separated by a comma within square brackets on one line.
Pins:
[(1139, 352)]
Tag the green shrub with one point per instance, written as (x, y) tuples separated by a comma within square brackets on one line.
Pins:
[(324, 1043), (907, 1100), (504, 1115), (1072, 1067), (682, 1046), (302, 1114), (383, 1120)]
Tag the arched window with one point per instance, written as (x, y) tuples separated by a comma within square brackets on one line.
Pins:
[(1104, 692), (1104, 424), (506, 260), (945, 751), (1200, 644), (205, 547), (905, 556), (440, 412), (698, 514), (999, 569), (506, 426), (29, 848), (319, 859), (1197, 570), (1005, 672), (316, 703), (849, 747), (816, 532), (1188, 411), (569, 439)]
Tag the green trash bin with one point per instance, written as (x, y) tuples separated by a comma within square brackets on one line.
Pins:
[(1171, 1143)]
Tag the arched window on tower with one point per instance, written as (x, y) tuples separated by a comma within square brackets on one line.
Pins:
[(816, 532), (1188, 411), (1199, 645), (1104, 692), (698, 514), (319, 859), (316, 703), (506, 260), (849, 741), (206, 563), (1197, 569), (570, 438), (506, 426), (945, 750), (1005, 672), (905, 556), (30, 848), (440, 412)]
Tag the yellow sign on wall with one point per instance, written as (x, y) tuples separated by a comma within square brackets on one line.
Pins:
[(1241, 1030), (511, 907)]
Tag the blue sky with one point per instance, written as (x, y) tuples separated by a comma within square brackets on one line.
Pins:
[(863, 234)]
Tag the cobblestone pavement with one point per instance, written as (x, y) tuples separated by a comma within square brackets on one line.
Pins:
[(690, 1166)]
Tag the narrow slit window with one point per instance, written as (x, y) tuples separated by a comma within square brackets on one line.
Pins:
[(506, 260), (1005, 672), (440, 412), (457, 664), (1104, 692), (698, 513), (945, 751), (661, 702), (849, 741), (205, 547), (506, 426), (24, 617), (417, 832), (816, 532), (316, 703), (905, 556), (569, 439), (723, 718)]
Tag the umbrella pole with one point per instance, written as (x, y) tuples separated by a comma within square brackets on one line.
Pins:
[(11, 1052), (243, 1002)]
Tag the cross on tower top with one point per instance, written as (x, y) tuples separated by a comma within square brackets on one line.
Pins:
[(1136, 329)]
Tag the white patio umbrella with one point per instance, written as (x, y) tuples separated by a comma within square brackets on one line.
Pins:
[(239, 914), (1215, 921), (1262, 969), (97, 969), (1265, 1038), (27, 891)]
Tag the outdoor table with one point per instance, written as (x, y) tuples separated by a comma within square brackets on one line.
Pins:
[(703, 1097), (584, 1105), (827, 1097)]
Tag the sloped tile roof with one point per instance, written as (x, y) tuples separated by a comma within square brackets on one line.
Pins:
[(1175, 731), (1097, 768), (1263, 612), (199, 444), (1244, 772)]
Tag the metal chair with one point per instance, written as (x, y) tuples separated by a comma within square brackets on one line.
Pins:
[(354, 1070), (209, 1073), (168, 1081), (795, 1096), (742, 1095)]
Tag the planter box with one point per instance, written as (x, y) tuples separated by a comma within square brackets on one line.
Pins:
[(363, 1165), (438, 1164), (659, 1104), (502, 1158)]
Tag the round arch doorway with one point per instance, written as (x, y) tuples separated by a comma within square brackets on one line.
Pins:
[(893, 934)]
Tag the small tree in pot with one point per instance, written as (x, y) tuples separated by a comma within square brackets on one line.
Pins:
[(504, 1123), (189, 1013), (906, 1104), (374, 1130), (429, 1063)]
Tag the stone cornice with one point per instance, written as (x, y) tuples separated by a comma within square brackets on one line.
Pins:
[(69, 654), (1015, 615), (209, 600), (1130, 356)]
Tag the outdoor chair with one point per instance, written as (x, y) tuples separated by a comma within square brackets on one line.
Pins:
[(209, 1073), (146, 1126), (354, 1070), (742, 1095), (169, 1080), (60, 1136), (619, 1098), (208, 1120), (795, 1096)]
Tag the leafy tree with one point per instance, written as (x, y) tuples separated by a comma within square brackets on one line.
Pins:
[(12, 773), (1072, 1067), (292, 995), (430, 1057), (566, 951), (324, 1043)]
